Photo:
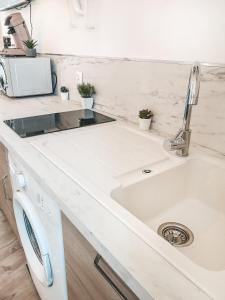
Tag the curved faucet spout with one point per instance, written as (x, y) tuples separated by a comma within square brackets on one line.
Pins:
[(192, 95), (193, 85), (181, 141)]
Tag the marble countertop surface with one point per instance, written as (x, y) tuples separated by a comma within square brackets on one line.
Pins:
[(82, 197)]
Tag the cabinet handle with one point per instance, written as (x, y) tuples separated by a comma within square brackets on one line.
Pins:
[(107, 278), (4, 180)]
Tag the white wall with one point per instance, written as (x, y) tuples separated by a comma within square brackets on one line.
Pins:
[(186, 30)]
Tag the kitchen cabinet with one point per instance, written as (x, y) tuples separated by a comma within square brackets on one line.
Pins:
[(89, 277), (6, 194)]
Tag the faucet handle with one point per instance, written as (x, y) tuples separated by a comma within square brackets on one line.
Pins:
[(167, 145), (175, 143)]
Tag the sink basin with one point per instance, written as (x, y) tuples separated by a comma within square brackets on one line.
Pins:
[(191, 193)]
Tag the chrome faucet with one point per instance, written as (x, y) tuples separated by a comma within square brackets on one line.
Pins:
[(181, 141)]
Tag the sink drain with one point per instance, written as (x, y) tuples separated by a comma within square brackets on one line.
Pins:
[(176, 234)]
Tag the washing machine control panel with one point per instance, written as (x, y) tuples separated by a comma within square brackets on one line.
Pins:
[(23, 182)]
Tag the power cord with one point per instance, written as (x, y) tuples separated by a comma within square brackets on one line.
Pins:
[(24, 5), (31, 24), (56, 81)]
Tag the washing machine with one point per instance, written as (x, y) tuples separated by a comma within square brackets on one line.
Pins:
[(39, 225)]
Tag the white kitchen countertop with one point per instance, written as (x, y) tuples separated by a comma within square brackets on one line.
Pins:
[(74, 171)]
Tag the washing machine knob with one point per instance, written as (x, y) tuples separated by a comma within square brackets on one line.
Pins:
[(20, 181)]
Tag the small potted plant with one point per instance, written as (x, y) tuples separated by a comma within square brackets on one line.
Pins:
[(30, 48), (145, 117), (64, 92), (86, 90)]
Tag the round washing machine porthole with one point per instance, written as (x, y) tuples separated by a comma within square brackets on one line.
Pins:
[(33, 239)]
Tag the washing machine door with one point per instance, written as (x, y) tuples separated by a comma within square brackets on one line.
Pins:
[(33, 239)]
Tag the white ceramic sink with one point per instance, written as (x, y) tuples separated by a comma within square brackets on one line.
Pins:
[(191, 193)]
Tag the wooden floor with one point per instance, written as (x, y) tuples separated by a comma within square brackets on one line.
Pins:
[(15, 281)]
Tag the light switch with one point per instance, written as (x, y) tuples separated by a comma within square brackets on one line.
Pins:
[(79, 77)]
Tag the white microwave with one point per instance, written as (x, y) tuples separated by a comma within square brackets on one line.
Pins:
[(25, 76)]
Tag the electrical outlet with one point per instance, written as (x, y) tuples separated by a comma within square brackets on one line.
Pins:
[(79, 77)]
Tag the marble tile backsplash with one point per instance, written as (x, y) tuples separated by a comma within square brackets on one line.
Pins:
[(125, 86)]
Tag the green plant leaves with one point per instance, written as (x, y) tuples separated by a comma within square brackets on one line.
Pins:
[(86, 90), (30, 44), (145, 114)]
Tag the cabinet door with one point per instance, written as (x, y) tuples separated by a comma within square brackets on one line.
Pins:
[(89, 277), (2, 173), (6, 194)]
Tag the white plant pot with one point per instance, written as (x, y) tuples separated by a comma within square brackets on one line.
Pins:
[(144, 124), (87, 103), (64, 96)]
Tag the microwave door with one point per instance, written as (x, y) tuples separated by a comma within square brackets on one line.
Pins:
[(30, 77)]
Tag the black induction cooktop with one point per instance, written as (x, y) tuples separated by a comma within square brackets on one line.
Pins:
[(37, 125)]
